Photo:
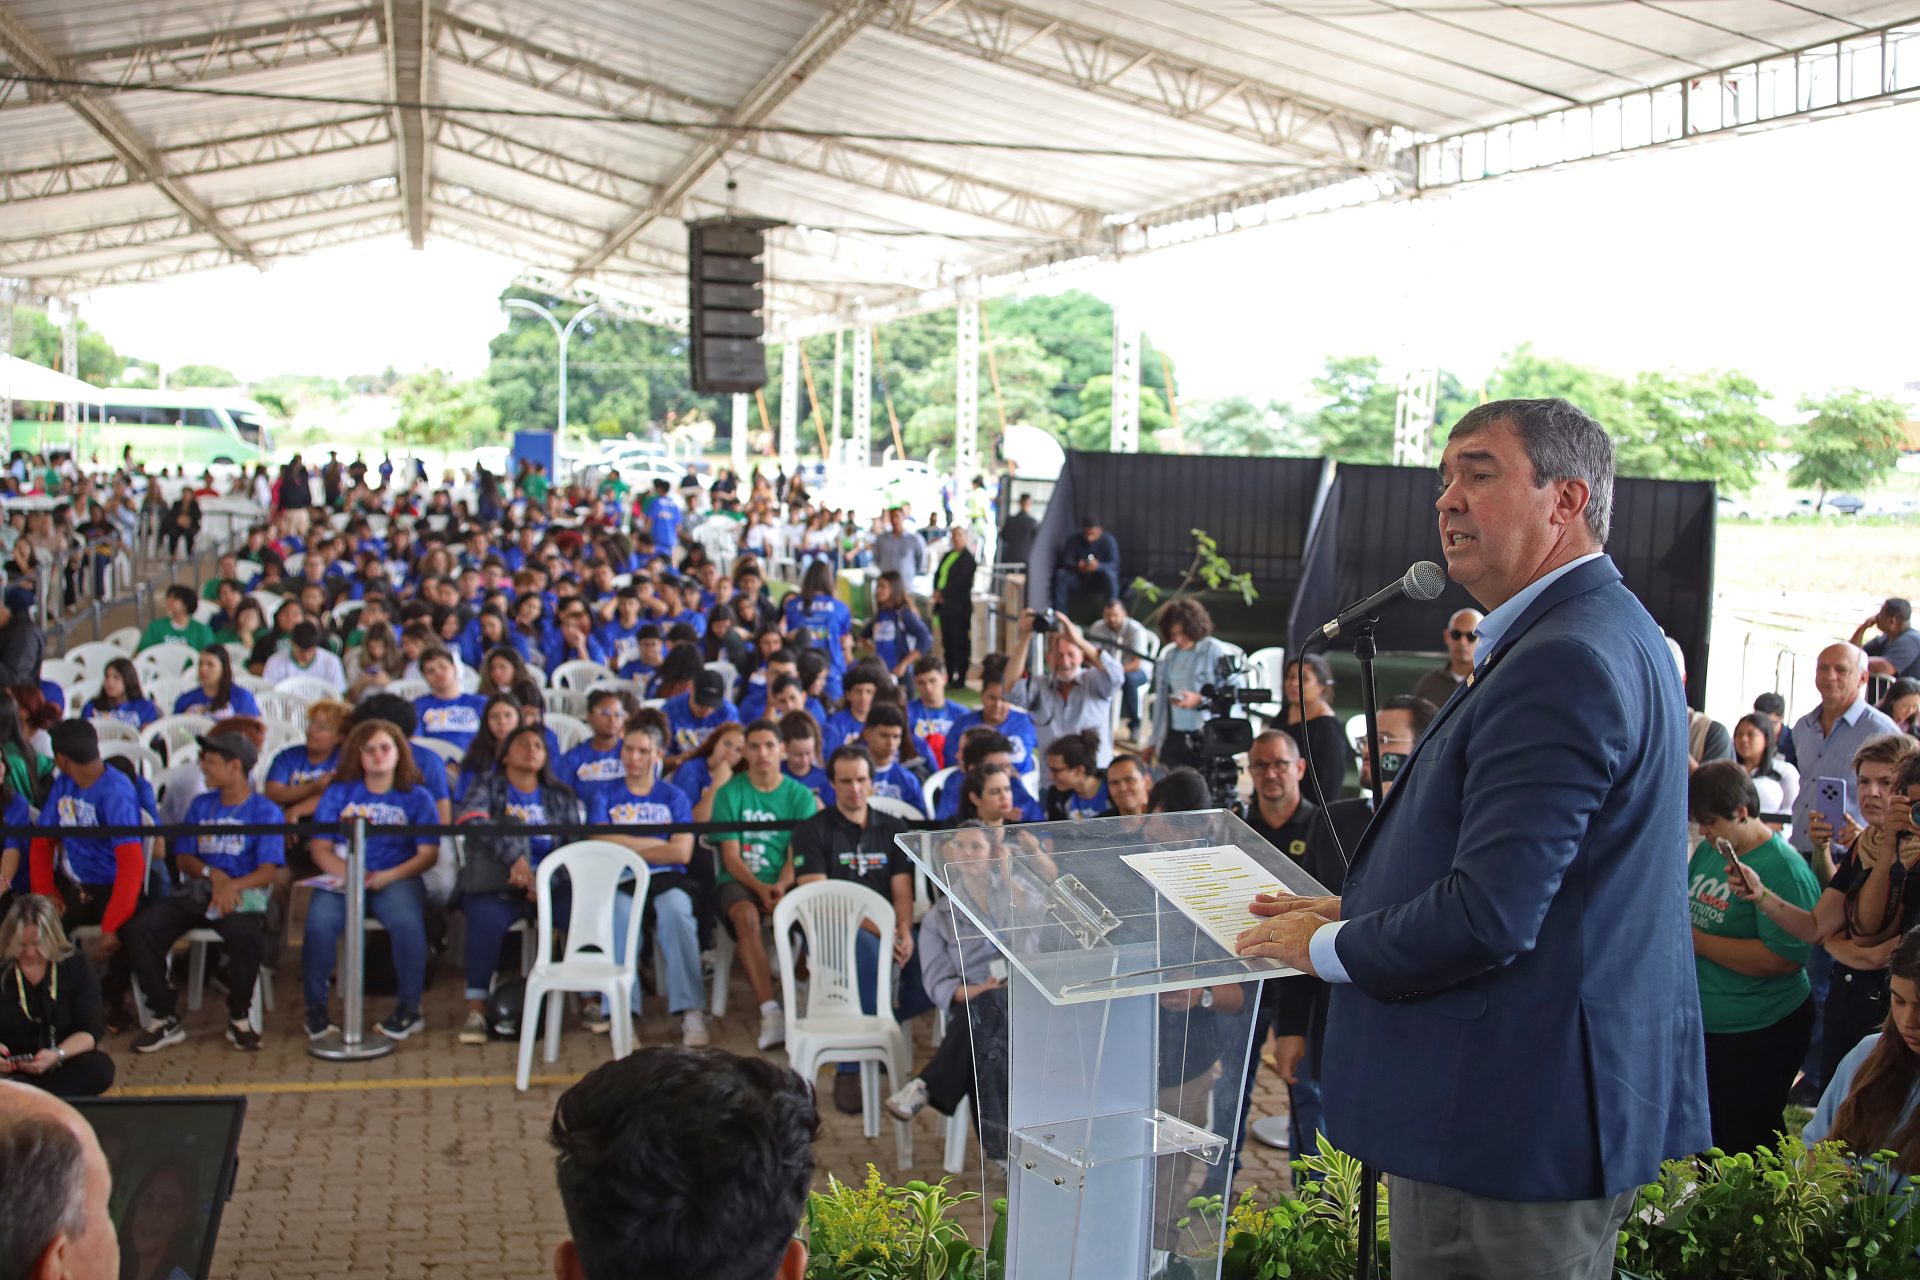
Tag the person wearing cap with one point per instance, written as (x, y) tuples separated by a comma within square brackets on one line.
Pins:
[(1089, 559), (225, 880), (308, 659), (692, 715), (1896, 650), (109, 872)]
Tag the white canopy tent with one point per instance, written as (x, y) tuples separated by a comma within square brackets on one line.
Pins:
[(24, 380)]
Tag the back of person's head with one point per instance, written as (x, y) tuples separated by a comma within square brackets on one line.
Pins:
[(76, 740), (43, 1165), (1183, 790), (684, 1164), (977, 743), (1770, 704), (391, 707)]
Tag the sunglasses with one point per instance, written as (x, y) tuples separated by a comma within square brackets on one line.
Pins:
[(1459, 635)]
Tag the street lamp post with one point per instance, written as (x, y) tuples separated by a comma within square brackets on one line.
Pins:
[(564, 335)]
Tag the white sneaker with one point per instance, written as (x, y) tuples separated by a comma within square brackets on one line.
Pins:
[(693, 1030), (773, 1025), (910, 1101)]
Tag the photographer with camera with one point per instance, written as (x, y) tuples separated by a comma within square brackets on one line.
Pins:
[(1189, 662), (1079, 694)]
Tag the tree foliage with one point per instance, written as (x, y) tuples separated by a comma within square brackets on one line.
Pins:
[(36, 339), (437, 411), (201, 375), (1852, 441)]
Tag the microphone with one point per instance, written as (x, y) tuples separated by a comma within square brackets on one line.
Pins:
[(1423, 580)]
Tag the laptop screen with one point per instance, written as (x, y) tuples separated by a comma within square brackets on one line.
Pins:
[(173, 1162)]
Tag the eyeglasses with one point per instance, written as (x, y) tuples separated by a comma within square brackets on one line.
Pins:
[(1269, 766), (1461, 635)]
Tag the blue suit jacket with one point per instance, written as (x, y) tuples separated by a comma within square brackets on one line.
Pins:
[(1523, 1021)]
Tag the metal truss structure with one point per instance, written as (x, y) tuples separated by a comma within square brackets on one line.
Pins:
[(917, 152)]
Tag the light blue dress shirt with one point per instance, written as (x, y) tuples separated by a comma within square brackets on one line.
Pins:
[(1492, 629)]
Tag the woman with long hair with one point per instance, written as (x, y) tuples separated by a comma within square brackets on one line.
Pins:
[(497, 883), (1307, 696), (676, 672), (1775, 781), (1871, 1102), (121, 698), (800, 738), (501, 669), (377, 780), (489, 633), (723, 641), (498, 722), (711, 766), (1902, 704), (1077, 790), (217, 695), (50, 1021), (986, 796), (826, 620), (160, 1226), (377, 663), (28, 772)]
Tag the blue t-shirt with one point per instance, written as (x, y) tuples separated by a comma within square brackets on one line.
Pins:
[(343, 801), (19, 816), (588, 769), (828, 620), (195, 702), (754, 707), (816, 781), (685, 731), (138, 712), (557, 651), (527, 807), (947, 801), (691, 778), (616, 803), (1078, 806), (56, 696), (235, 855), (294, 766), (895, 783), (896, 633), (840, 730), (622, 644), (455, 719), (1018, 729), (663, 521), (111, 801), (433, 774), (935, 727)]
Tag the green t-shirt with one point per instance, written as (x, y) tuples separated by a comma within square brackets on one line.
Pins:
[(764, 852), (162, 631), (1734, 1002), (535, 486)]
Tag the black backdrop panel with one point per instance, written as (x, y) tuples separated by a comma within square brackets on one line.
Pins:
[(1257, 509), (1378, 520)]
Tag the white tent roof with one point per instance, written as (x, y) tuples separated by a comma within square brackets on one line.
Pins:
[(24, 380), (913, 147)]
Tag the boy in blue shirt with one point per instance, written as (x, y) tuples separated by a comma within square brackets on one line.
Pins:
[(594, 765), (225, 881), (930, 717), (444, 712), (692, 715), (110, 872)]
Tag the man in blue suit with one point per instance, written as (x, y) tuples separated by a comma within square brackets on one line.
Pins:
[(1515, 1028)]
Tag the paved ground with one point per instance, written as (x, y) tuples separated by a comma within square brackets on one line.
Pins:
[(427, 1163)]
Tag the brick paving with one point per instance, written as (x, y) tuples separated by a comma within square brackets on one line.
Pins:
[(427, 1162)]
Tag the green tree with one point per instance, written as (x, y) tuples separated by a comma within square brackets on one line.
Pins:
[(1852, 441), (37, 339), (1028, 376), (201, 375), (1356, 422), (1236, 425), (1093, 429), (435, 410), (1696, 426)]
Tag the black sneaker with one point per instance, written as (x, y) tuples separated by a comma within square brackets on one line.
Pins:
[(319, 1025), (400, 1024), (159, 1035), (243, 1037)]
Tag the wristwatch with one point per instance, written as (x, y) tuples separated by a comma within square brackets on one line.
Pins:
[(1206, 997)]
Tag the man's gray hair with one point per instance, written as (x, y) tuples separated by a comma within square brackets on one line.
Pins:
[(1562, 443), (44, 1169)]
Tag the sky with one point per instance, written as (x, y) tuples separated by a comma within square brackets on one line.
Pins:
[(1786, 254)]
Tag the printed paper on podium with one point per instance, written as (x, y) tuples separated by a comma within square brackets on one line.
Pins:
[(1212, 887)]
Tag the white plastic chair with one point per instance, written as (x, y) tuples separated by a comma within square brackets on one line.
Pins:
[(347, 608), (239, 653), (309, 689), (276, 704), (930, 789), (205, 611), (832, 1028), (564, 702), (568, 731), (79, 694), (169, 734), (246, 572), (164, 693), (896, 808), (92, 658), (469, 679), (126, 640), (596, 868), (293, 562), (619, 684), (537, 675), (579, 674), (1357, 732), (107, 729), (253, 684), (145, 759), (165, 661), (269, 603), (408, 689), (728, 672), (440, 747), (62, 671), (197, 941)]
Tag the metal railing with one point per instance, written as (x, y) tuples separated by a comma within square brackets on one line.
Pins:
[(105, 574)]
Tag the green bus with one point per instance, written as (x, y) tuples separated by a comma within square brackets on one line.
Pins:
[(188, 427)]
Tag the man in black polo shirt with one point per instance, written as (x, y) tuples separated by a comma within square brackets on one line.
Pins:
[(853, 841)]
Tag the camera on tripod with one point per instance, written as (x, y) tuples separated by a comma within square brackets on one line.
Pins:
[(1225, 735)]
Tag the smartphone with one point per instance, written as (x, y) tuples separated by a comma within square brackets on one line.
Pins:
[(997, 970), (1831, 800)]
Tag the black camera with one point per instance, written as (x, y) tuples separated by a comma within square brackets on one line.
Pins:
[(1224, 735), (1043, 623)]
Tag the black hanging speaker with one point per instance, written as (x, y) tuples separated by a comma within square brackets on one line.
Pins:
[(725, 285)]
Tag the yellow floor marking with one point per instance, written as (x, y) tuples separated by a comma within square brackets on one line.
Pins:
[(330, 1086)]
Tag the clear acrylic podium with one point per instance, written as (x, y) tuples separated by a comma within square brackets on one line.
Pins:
[(1110, 1063)]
